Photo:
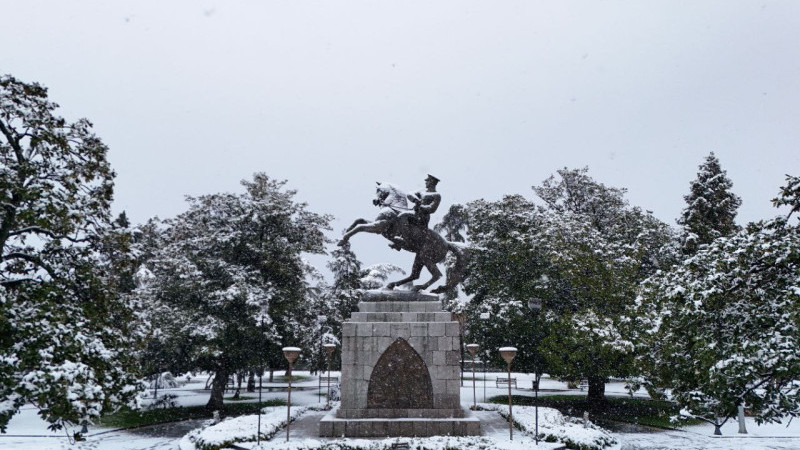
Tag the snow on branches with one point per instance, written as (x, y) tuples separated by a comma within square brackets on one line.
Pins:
[(226, 279), (582, 253), (63, 325), (721, 329), (711, 207)]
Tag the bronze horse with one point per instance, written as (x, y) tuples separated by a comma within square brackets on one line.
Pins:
[(430, 247)]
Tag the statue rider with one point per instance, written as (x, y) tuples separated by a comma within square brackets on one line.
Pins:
[(425, 203)]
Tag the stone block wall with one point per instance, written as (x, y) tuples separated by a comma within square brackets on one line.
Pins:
[(430, 332)]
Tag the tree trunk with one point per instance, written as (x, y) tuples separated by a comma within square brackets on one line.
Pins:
[(597, 391), (741, 419), (155, 393), (251, 382), (238, 386), (215, 402), (271, 375)]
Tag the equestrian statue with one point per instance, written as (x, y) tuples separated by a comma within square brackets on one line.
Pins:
[(407, 229)]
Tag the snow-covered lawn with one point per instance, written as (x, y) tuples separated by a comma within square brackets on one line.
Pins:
[(700, 437), (27, 431), (555, 427)]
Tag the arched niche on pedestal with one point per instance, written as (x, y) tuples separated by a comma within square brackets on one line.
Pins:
[(400, 379)]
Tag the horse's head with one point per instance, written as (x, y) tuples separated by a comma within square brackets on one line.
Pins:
[(381, 192), (386, 194)]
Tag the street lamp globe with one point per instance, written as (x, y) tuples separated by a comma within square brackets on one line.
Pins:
[(508, 353), (291, 353)]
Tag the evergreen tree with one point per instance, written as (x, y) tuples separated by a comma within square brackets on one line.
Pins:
[(346, 269), (64, 330), (710, 207), (583, 253), (721, 329), (377, 275), (453, 224), (229, 274)]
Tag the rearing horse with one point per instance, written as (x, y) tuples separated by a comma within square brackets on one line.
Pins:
[(430, 248)]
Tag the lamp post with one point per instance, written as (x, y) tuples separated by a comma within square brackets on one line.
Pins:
[(260, 376), (329, 348), (291, 354), (535, 305), (320, 320), (472, 348), (484, 317), (508, 354)]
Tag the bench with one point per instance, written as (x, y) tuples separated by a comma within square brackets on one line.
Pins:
[(331, 379), (584, 384), (506, 381)]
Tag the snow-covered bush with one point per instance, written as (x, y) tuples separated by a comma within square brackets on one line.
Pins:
[(555, 427), (165, 381), (242, 429), (165, 401)]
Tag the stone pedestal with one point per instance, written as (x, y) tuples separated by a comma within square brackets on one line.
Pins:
[(400, 370)]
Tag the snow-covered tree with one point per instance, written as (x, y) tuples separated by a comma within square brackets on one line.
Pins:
[(453, 224), (721, 329), (345, 291), (710, 207), (229, 275), (63, 329), (583, 253), (377, 275)]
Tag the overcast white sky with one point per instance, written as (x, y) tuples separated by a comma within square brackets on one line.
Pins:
[(490, 96)]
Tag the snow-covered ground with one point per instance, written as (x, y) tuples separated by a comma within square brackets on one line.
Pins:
[(27, 431)]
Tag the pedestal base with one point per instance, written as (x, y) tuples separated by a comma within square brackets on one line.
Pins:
[(400, 370), (332, 426)]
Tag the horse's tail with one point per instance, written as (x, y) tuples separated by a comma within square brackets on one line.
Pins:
[(456, 273)]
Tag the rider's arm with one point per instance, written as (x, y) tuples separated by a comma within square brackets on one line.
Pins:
[(431, 207)]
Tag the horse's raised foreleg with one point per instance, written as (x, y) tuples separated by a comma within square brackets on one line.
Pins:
[(373, 227), (416, 270), (356, 222)]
